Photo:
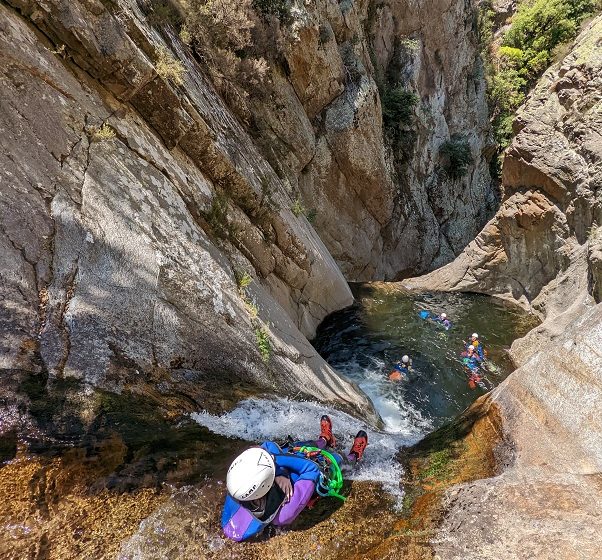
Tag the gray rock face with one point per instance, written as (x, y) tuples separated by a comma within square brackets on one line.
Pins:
[(542, 248), (546, 502), (379, 216), (128, 204)]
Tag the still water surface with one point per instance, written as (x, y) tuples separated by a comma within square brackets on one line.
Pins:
[(363, 343)]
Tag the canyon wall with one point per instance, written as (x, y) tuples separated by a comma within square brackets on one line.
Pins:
[(152, 239), (121, 265), (543, 248), (545, 500), (385, 209)]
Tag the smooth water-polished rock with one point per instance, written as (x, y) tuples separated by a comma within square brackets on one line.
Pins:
[(119, 252), (545, 503)]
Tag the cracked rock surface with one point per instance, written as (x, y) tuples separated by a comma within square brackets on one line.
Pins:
[(115, 268), (383, 212)]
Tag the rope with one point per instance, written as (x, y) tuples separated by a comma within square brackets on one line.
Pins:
[(333, 482)]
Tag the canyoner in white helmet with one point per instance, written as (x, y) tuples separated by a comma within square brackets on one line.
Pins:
[(269, 484), (474, 341), (251, 475), (401, 369), (442, 320)]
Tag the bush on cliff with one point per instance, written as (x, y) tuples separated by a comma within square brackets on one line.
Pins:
[(397, 109), (528, 47), (279, 8), (221, 34), (457, 157)]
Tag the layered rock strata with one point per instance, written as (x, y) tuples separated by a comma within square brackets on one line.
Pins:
[(545, 501), (383, 211)]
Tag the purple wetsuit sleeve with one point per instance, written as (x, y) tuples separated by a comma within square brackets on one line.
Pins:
[(302, 493)]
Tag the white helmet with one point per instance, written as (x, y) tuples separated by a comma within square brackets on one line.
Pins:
[(443, 316), (474, 335), (251, 474), (405, 359), (471, 347)]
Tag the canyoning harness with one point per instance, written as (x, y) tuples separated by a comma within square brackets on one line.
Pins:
[(331, 478)]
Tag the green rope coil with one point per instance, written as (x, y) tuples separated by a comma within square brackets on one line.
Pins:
[(334, 482)]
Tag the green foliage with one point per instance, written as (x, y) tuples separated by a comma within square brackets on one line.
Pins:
[(185, 35), (439, 465), (243, 279), (398, 109), (326, 34), (397, 106), (221, 34), (279, 8), (262, 337), (104, 133), (217, 217), (457, 155), (298, 209), (538, 29), (539, 26)]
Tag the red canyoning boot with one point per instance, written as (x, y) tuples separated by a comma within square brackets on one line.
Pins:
[(359, 445), (326, 431)]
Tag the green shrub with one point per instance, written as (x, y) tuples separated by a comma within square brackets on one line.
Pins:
[(185, 35), (539, 26), (217, 217), (220, 32), (398, 109), (262, 337), (537, 30), (457, 155), (104, 133), (397, 106), (243, 279), (168, 67), (279, 8), (311, 215), (297, 208)]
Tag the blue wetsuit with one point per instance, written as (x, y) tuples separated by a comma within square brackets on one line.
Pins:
[(402, 368)]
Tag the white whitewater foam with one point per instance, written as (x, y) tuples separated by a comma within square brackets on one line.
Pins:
[(258, 420)]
